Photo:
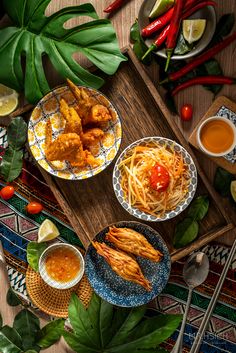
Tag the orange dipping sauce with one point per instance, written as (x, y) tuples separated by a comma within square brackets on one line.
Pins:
[(217, 136), (62, 265)]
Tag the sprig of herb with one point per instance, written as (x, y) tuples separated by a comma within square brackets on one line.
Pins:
[(187, 230), (12, 160), (139, 46)]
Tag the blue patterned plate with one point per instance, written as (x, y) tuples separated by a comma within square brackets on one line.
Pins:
[(114, 289)]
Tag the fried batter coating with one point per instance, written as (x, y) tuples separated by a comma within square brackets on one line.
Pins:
[(92, 136), (73, 121), (122, 264), (129, 240), (89, 109)]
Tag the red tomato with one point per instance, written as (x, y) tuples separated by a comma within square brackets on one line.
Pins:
[(34, 207), (7, 192), (186, 112), (160, 178)]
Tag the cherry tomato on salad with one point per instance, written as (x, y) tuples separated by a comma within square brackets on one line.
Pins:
[(34, 207), (159, 178), (7, 192), (186, 112)]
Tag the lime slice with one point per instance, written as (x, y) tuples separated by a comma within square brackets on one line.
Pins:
[(160, 7), (233, 189), (8, 100), (47, 231), (193, 29)]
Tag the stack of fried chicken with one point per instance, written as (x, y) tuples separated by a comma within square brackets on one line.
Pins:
[(128, 243), (82, 129)]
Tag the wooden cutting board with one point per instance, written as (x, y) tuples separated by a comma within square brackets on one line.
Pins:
[(222, 106), (91, 205)]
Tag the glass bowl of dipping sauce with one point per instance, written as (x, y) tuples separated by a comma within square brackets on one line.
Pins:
[(216, 136), (61, 266)]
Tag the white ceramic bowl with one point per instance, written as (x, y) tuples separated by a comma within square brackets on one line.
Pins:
[(219, 118), (49, 280), (169, 214)]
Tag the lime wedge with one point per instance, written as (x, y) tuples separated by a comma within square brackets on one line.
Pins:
[(233, 189), (47, 231), (193, 29), (8, 100), (160, 7)]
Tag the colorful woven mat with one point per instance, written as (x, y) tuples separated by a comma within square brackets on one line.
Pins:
[(17, 228)]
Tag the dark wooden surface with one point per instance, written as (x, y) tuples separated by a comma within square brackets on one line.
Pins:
[(91, 204)]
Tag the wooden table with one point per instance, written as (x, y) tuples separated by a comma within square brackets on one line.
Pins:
[(197, 96)]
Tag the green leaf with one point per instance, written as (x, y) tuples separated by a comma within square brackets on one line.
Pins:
[(17, 133), (34, 251), (80, 320), (199, 208), (210, 67), (34, 36), (223, 28), (27, 325), (1, 321), (139, 46), (11, 165), (12, 335), (222, 181), (149, 333), (73, 341), (134, 32), (12, 298), (51, 333), (185, 232), (6, 343), (182, 46)]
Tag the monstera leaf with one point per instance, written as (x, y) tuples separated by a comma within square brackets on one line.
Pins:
[(33, 35)]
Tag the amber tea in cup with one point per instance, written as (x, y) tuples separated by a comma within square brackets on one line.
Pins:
[(216, 136)]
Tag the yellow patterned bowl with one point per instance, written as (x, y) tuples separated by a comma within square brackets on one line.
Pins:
[(48, 108)]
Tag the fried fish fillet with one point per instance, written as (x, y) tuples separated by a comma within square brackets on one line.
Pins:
[(133, 242), (73, 121), (89, 108), (122, 264)]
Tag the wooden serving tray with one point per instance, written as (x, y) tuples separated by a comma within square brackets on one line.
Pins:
[(222, 106), (91, 205)]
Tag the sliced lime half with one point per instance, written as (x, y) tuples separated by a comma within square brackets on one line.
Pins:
[(193, 29), (160, 7)]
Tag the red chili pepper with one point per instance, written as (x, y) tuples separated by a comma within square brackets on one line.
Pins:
[(163, 35), (204, 80), (114, 6), (200, 59), (163, 20), (174, 30)]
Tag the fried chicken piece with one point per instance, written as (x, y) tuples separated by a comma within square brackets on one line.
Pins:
[(88, 108), (73, 121), (129, 240), (122, 264), (92, 136), (85, 159)]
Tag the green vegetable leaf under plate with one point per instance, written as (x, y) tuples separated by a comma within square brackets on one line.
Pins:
[(185, 232), (198, 208), (34, 251), (34, 36), (27, 326)]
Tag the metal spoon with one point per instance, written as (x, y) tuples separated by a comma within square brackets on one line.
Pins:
[(195, 272)]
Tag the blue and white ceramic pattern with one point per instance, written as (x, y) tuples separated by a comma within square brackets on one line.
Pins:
[(169, 214), (114, 289), (229, 114)]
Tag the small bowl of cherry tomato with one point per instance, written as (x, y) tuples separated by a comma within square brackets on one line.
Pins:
[(154, 179)]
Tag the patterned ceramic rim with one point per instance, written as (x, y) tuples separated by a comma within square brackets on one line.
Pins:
[(48, 107), (170, 214), (49, 280), (117, 291)]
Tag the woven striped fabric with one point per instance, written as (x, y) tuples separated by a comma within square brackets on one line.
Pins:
[(17, 228)]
